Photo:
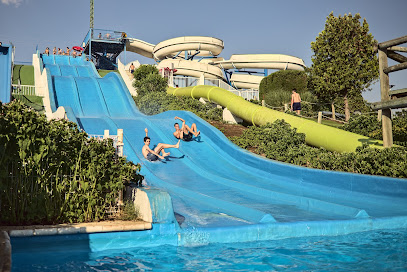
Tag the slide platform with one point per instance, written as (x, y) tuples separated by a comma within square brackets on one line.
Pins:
[(5, 73), (220, 192)]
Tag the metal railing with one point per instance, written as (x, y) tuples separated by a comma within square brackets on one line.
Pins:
[(247, 94), (193, 81), (23, 89)]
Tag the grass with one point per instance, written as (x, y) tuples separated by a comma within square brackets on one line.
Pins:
[(24, 73), (33, 101), (102, 72)]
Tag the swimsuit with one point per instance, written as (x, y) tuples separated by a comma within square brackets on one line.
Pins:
[(297, 106), (151, 157), (187, 137)]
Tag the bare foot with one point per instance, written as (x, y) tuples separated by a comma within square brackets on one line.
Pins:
[(166, 154), (177, 145), (196, 135)]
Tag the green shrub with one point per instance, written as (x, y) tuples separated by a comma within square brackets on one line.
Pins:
[(365, 125), (277, 87), (280, 142), (50, 172), (147, 79), (157, 102)]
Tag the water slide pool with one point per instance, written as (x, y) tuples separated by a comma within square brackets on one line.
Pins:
[(5, 73), (220, 192)]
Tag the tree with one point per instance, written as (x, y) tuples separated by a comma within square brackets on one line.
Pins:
[(344, 62), (147, 79)]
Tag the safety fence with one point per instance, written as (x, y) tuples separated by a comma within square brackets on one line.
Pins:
[(23, 89), (248, 94)]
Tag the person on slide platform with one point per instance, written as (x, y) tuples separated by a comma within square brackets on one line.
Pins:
[(153, 155), (185, 133)]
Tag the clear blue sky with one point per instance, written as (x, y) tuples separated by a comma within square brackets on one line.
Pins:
[(256, 26)]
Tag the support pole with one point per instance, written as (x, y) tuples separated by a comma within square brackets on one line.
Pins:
[(379, 115), (384, 93), (320, 117), (333, 111)]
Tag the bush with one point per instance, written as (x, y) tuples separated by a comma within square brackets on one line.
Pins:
[(277, 87), (280, 142), (370, 127), (365, 125), (147, 79), (50, 172), (157, 102)]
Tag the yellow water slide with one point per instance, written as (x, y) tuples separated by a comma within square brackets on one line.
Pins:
[(319, 135)]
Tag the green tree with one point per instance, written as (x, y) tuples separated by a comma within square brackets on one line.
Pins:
[(344, 63), (147, 79)]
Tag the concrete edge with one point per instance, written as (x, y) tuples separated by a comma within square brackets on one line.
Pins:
[(75, 229)]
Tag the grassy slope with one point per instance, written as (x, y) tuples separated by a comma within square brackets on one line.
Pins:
[(25, 73), (102, 73)]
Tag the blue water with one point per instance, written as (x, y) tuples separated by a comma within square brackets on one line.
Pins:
[(369, 251)]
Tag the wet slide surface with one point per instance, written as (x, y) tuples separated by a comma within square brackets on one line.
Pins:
[(5, 73), (219, 188)]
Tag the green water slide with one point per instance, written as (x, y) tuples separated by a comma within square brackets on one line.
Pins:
[(319, 135)]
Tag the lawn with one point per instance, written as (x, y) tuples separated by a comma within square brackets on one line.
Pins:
[(24, 73)]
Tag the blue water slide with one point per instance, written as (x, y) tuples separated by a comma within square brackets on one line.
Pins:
[(92, 100), (48, 59), (62, 60), (222, 192), (68, 70), (5, 73), (54, 69), (66, 93), (84, 71)]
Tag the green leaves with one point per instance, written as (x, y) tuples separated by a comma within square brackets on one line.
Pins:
[(147, 79), (156, 102), (278, 141), (343, 60), (51, 172)]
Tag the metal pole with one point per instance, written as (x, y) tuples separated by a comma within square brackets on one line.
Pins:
[(91, 26)]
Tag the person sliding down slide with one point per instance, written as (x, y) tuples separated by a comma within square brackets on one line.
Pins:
[(153, 155), (185, 132)]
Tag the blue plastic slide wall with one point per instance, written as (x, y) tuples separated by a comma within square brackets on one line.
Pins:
[(220, 192), (5, 73)]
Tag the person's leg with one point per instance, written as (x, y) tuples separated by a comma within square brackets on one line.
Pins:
[(191, 129), (161, 148)]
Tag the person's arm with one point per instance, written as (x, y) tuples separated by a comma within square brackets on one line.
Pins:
[(146, 130), (292, 101), (183, 122)]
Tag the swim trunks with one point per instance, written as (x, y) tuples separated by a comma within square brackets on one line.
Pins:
[(187, 137), (297, 106), (151, 157)]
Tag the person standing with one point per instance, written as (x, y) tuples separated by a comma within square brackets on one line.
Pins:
[(296, 102)]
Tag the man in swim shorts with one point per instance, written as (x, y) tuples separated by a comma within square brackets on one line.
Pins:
[(296, 102), (153, 155), (185, 133)]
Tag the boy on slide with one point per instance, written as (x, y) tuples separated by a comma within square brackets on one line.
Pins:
[(153, 155), (185, 132)]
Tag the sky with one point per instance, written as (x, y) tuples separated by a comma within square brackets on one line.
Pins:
[(255, 26)]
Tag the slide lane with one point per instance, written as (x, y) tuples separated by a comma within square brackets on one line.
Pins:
[(5, 73), (213, 183)]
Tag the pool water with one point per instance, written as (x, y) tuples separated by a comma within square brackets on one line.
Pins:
[(369, 251)]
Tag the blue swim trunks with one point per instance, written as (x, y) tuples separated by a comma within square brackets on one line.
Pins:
[(297, 106), (151, 157)]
